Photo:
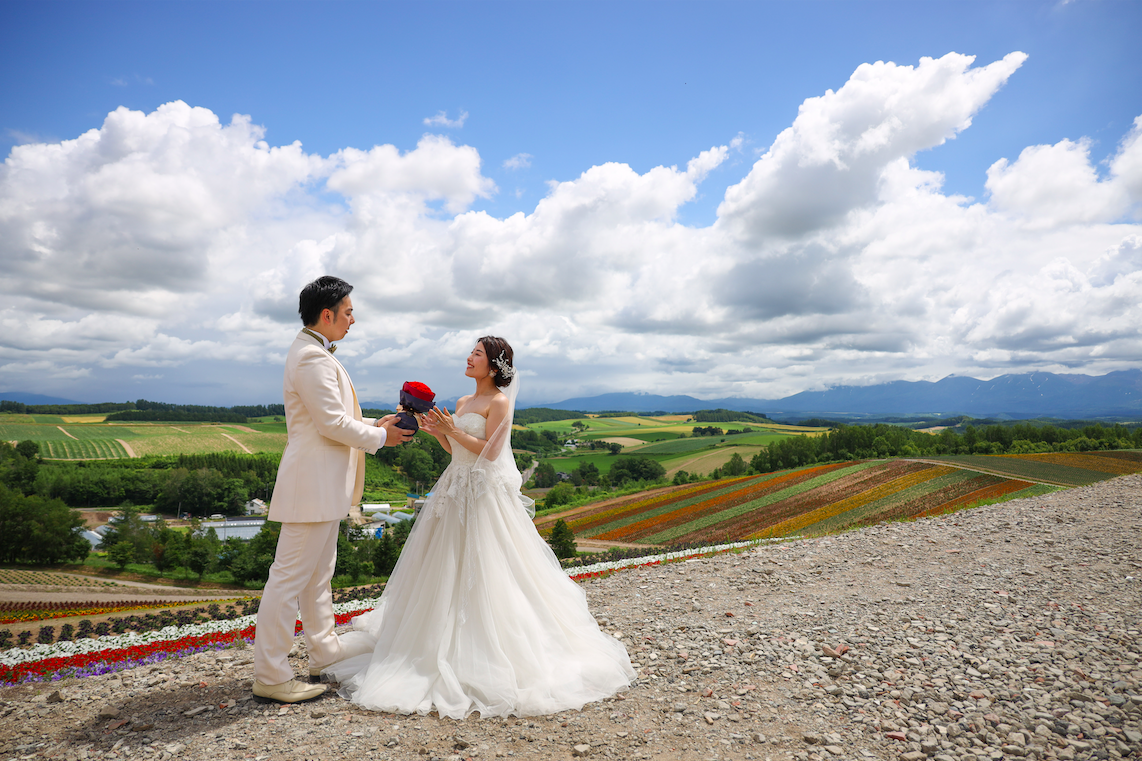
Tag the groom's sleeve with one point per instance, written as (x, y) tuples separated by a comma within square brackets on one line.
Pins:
[(315, 381)]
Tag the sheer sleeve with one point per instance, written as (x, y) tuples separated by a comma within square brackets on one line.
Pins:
[(497, 462)]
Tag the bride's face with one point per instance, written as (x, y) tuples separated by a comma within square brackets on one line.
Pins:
[(478, 365)]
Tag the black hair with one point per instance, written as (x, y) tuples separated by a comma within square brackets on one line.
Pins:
[(494, 348), (326, 292)]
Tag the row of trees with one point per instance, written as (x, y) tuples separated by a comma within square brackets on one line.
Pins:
[(133, 540), (145, 410), (859, 441), (39, 531), (19, 408), (201, 484)]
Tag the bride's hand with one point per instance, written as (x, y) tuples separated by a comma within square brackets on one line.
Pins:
[(437, 421)]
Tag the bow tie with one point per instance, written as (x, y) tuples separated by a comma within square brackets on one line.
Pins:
[(309, 332)]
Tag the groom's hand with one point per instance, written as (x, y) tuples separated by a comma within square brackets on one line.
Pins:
[(394, 434)]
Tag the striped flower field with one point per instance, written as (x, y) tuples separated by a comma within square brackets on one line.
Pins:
[(814, 500)]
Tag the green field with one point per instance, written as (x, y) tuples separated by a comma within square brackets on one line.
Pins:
[(669, 440), (61, 440), (85, 449)]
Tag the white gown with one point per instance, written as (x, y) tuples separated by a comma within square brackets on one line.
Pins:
[(478, 616)]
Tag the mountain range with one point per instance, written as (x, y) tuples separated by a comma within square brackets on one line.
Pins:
[(1028, 395), (1116, 394)]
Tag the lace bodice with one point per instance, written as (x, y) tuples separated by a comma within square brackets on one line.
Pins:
[(474, 424)]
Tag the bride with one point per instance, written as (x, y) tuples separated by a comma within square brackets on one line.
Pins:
[(478, 615)]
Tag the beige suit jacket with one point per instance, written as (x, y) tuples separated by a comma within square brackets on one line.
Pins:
[(322, 471)]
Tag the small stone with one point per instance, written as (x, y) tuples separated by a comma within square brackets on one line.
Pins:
[(912, 755), (581, 750), (317, 714), (835, 750), (108, 712), (55, 697), (811, 738)]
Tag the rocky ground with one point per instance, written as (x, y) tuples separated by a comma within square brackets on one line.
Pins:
[(1005, 631)]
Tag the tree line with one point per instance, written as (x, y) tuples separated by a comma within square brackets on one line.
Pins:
[(195, 413), (142, 409), (851, 442), (729, 416), (19, 408)]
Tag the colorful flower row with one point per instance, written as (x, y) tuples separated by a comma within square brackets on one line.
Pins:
[(995, 491), (604, 569), (740, 522), (75, 658), (82, 611), (584, 524), (920, 472), (1114, 465), (635, 526), (89, 657)]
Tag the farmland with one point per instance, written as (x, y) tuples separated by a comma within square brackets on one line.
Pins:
[(1060, 468), (823, 499), (87, 437), (667, 439)]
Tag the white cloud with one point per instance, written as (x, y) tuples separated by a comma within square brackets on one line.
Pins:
[(518, 161), (441, 120), (830, 161), (436, 170), (172, 240)]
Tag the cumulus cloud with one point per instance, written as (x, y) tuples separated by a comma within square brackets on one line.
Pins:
[(828, 163), (441, 120), (436, 170), (175, 240)]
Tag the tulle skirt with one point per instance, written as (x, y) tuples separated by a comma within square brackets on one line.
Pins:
[(479, 617)]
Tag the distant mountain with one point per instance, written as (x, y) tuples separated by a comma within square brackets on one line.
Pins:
[(1018, 396), (26, 398)]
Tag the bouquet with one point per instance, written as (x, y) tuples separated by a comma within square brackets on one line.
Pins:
[(415, 398)]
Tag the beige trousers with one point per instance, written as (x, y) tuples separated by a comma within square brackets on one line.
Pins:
[(299, 581)]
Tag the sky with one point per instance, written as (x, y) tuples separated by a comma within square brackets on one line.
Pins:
[(720, 199)]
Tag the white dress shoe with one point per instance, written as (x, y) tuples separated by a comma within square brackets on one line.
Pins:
[(292, 691)]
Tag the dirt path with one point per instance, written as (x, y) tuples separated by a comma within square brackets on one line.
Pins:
[(243, 429), (65, 433), (126, 446), (245, 449)]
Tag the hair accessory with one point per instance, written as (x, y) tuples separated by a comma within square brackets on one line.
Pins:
[(502, 365)]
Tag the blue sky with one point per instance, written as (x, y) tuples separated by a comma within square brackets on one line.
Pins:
[(561, 113)]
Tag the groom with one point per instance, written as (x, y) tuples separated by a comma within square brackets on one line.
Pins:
[(321, 475)]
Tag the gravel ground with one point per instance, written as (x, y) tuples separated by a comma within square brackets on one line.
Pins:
[(1009, 631)]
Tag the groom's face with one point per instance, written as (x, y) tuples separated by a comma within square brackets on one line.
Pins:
[(339, 320)]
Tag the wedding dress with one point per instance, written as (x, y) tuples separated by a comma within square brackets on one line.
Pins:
[(478, 616)]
